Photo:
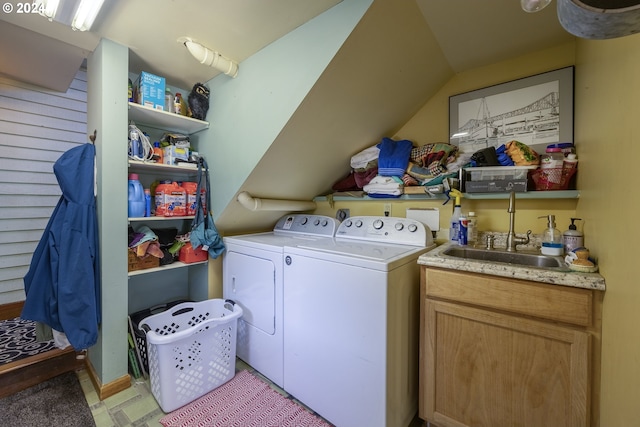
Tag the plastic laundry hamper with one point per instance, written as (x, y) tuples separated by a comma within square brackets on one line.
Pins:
[(191, 350)]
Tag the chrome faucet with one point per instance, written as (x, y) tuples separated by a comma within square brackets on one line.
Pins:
[(512, 239)]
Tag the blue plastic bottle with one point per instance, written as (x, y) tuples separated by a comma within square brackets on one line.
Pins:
[(147, 202), (136, 197)]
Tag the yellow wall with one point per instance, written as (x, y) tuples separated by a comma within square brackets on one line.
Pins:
[(607, 136), (431, 124), (607, 117)]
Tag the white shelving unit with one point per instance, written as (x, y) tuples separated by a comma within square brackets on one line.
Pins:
[(176, 280)]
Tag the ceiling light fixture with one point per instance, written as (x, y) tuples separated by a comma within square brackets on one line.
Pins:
[(206, 56), (79, 14), (534, 5), (86, 14)]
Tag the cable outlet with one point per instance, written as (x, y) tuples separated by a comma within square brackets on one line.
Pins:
[(387, 209)]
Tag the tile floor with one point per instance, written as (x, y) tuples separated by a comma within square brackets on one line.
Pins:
[(136, 406)]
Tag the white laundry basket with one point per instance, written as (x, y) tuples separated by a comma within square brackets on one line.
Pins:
[(191, 350)]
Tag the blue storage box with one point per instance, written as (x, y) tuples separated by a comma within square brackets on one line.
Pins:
[(151, 90)]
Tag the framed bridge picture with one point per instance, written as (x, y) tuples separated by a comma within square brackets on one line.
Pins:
[(536, 111)]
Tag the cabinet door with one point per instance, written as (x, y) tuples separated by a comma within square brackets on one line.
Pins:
[(485, 368)]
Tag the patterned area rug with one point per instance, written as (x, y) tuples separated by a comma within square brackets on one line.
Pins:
[(18, 340), (245, 401)]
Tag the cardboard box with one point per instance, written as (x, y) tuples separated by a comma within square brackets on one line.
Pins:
[(135, 263), (151, 90), (171, 153)]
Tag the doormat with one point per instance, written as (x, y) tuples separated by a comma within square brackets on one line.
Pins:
[(59, 401), (243, 401), (18, 340)]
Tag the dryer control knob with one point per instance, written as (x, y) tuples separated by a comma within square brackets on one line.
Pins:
[(413, 228), (348, 223), (399, 226), (325, 223), (358, 223), (316, 222), (304, 220), (377, 224)]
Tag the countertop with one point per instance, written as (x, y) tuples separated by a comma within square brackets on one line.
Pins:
[(435, 258)]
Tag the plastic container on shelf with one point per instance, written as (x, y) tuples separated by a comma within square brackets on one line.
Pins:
[(570, 162), (158, 155), (179, 105), (188, 254), (552, 159), (170, 199), (552, 179), (191, 188), (159, 197), (136, 202), (191, 350), (472, 229), (168, 100), (147, 202), (565, 147)]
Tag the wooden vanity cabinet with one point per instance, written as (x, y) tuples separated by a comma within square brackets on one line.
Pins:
[(499, 352)]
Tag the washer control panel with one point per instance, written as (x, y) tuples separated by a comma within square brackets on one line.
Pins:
[(385, 229), (317, 225)]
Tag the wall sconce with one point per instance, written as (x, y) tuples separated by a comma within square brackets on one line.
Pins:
[(209, 57), (78, 14), (534, 5)]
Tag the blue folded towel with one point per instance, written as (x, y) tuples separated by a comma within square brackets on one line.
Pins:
[(394, 156)]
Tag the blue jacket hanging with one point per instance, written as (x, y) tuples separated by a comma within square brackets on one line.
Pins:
[(62, 285)]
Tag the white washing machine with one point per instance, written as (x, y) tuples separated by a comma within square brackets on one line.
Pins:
[(252, 276), (351, 309)]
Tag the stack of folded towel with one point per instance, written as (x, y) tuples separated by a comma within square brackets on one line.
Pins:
[(384, 186)]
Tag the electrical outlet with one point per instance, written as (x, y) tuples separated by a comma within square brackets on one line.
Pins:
[(387, 209)]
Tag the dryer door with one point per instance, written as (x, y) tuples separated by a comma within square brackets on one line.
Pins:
[(250, 281)]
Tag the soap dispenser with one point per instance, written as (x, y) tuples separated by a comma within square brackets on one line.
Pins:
[(551, 238), (572, 238)]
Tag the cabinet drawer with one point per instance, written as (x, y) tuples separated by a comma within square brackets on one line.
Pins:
[(552, 302)]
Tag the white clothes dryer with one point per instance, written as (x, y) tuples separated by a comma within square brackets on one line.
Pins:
[(351, 309), (252, 276)]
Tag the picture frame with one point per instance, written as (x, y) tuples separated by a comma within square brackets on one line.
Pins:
[(535, 110)]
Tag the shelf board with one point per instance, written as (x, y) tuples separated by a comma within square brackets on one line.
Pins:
[(175, 264), (561, 194), (151, 167), (160, 218), (164, 120)]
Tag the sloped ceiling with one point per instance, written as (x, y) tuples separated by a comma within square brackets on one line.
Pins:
[(150, 28), (471, 33), (380, 76)]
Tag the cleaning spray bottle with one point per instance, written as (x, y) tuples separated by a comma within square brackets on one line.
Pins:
[(454, 227), (551, 238), (572, 238)]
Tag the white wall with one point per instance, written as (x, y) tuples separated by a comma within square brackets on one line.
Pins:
[(36, 126)]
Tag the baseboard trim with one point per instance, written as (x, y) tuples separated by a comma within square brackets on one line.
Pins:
[(109, 389)]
